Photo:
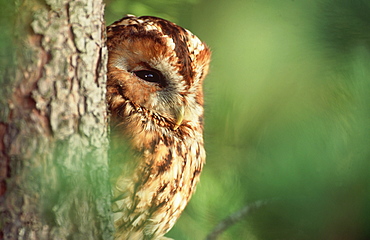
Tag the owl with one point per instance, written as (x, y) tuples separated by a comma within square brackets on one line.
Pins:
[(155, 98)]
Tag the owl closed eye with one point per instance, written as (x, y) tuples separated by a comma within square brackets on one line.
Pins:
[(154, 92)]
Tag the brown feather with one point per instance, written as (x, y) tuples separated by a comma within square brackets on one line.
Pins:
[(155, 162)]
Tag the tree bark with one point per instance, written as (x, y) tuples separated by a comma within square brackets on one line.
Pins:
[(53, 126)]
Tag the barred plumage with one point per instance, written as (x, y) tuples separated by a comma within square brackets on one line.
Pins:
[(155, 75)]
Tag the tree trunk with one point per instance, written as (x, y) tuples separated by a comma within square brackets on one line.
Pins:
[(53, 125)]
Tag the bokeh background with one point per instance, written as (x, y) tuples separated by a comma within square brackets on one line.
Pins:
[(287, 114)]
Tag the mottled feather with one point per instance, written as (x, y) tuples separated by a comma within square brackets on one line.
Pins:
[(154, 91)]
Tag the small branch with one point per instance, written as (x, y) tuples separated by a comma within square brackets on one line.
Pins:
[(234, 218)]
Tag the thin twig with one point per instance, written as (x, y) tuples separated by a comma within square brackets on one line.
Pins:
[(234, 218)]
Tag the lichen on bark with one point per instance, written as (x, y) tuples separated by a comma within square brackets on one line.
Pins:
[(54, 137)]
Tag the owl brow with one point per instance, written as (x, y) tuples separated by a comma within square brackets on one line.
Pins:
[(145, 66), (179, 37)]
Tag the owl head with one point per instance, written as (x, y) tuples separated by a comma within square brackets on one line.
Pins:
[(158, 67)]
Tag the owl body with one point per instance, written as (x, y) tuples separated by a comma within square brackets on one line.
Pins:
[(154, 91)]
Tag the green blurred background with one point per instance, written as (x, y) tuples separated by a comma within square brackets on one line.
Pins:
[(287, 114)]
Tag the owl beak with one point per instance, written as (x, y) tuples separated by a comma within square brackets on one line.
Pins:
[(179, 116)]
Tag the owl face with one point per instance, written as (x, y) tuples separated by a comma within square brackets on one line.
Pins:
[(154, 93), (157, 66)]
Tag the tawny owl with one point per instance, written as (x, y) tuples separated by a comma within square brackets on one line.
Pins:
[(155, 75)]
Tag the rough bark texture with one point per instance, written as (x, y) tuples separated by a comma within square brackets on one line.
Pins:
[(53, 139)]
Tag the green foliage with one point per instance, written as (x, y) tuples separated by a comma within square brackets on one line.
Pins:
[(171, 10), (287, 116)]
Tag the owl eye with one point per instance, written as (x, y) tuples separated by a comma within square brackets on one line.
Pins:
[(150, 76)]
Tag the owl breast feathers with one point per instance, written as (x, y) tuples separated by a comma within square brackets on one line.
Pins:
[(154, 91)]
